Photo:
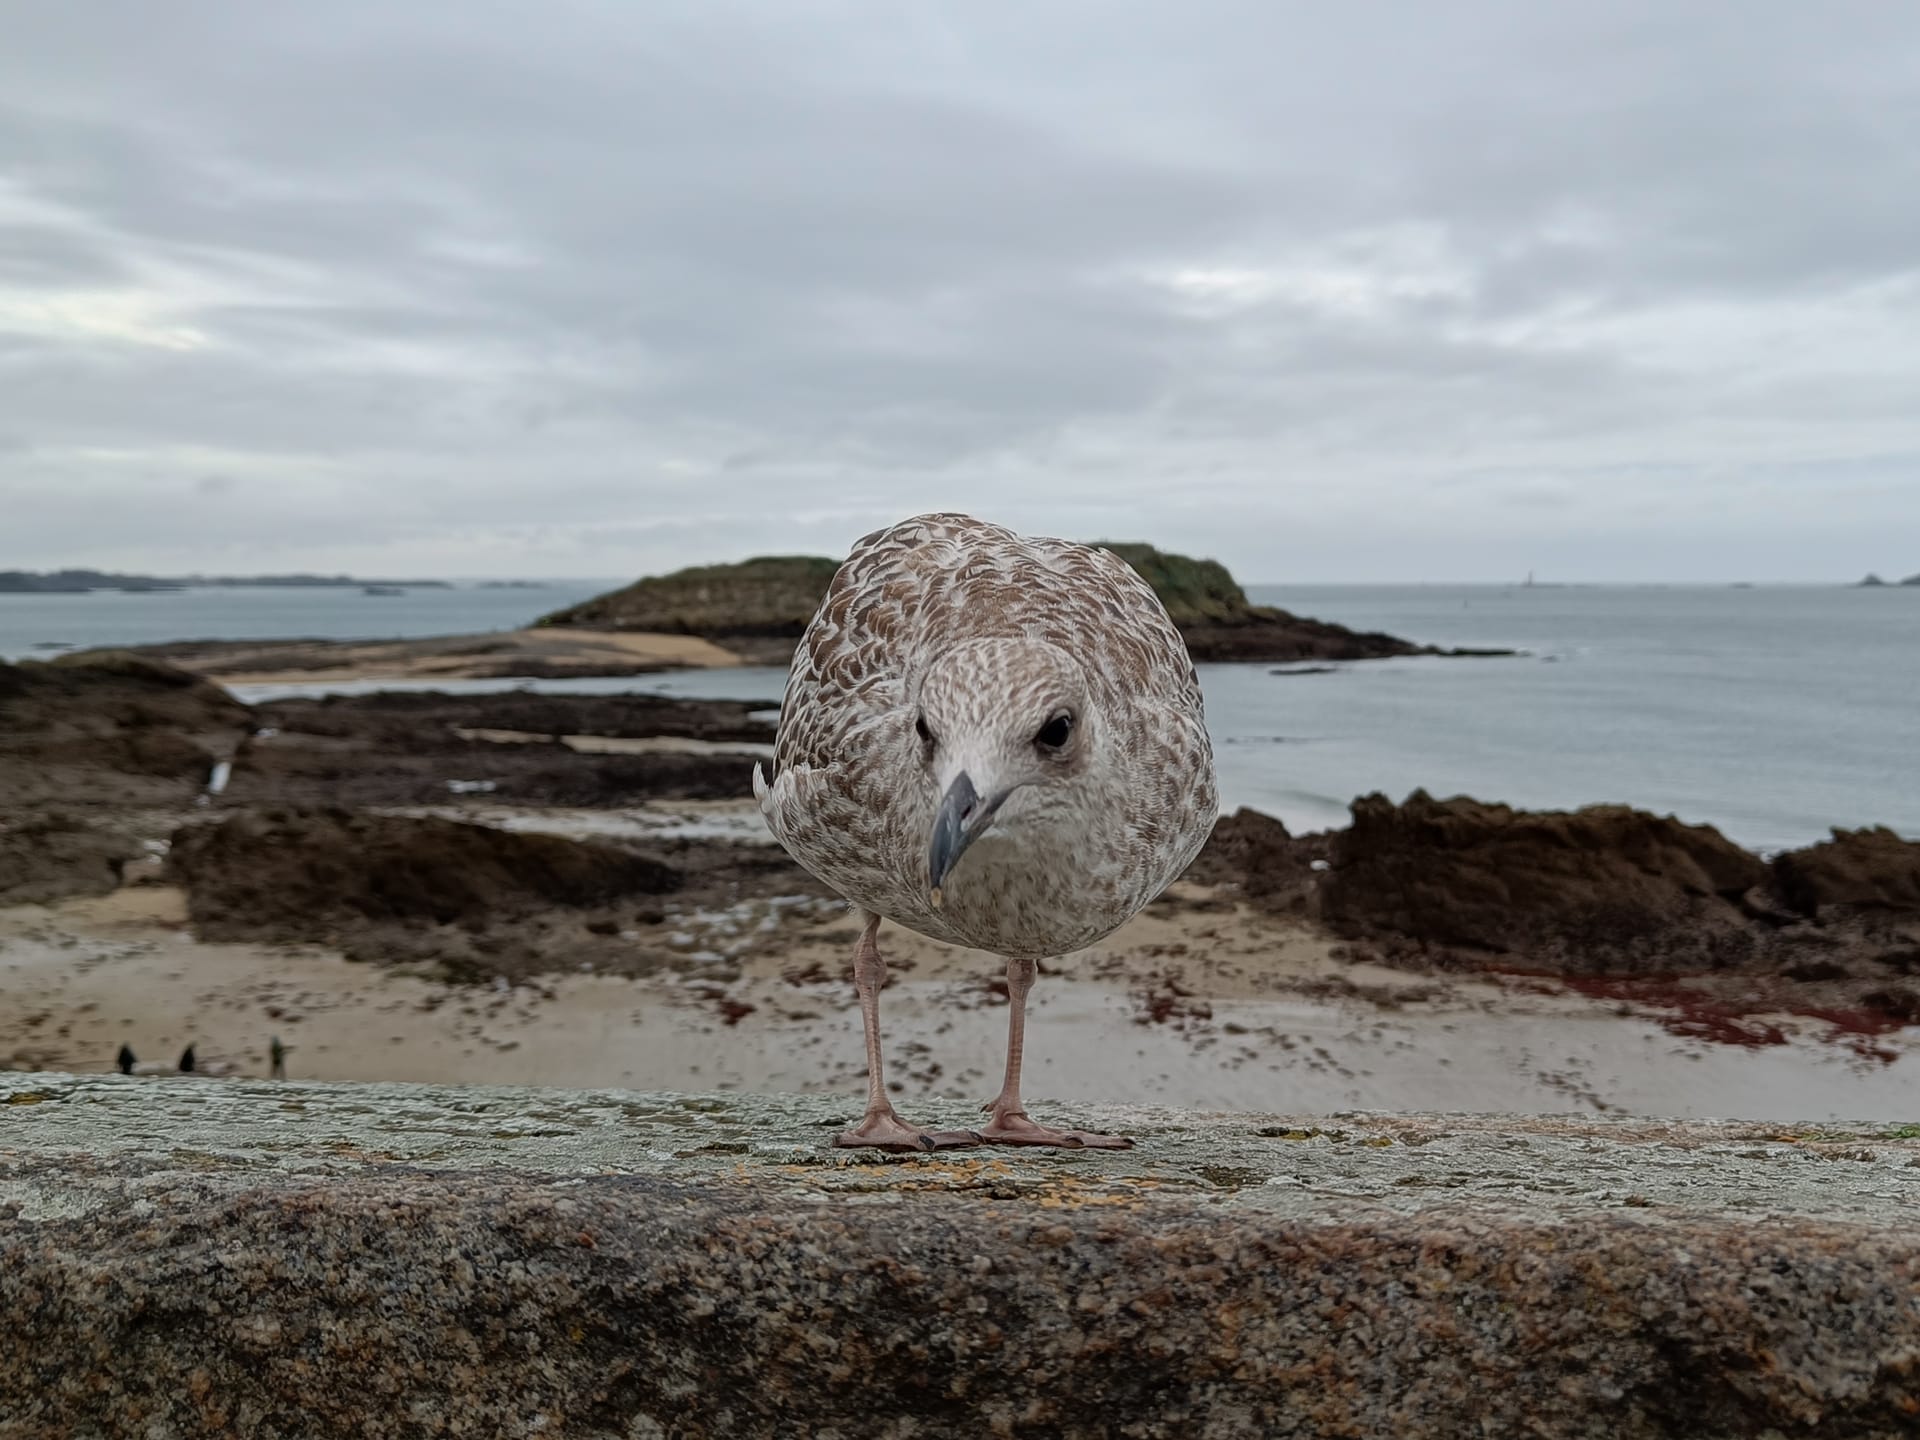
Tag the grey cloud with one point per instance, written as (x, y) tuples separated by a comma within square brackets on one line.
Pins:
[(1295, 285)]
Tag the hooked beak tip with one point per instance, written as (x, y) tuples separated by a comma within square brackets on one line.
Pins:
[(961, 818)]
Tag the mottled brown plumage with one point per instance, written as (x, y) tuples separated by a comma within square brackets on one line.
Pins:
[(944, 650)]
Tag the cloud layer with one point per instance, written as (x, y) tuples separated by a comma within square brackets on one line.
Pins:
[(1368, 292)]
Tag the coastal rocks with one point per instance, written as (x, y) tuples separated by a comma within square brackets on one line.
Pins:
[(389, 715), (472, 900), (1605, 889), (501, 654), (1857, 871), (110, 729), (759, 608), (1252, 853), (52, 857), (280, 870), (513, 748), (1641, 909), (1269, 636), (387, 887)]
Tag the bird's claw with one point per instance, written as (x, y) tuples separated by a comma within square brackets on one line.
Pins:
[(890, 1132), (1014, 1127)]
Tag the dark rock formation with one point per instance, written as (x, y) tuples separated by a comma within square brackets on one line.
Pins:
[(1253, 853), (759, 609), (388, 716), (408, 749), (47, 858), (473, 900), (288, 873), (390, 1262), (1639, 908), (111, 728), (1602, 889), (1856, 871), (499, 654)]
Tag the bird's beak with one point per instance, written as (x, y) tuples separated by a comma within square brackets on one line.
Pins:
[(963, 817)]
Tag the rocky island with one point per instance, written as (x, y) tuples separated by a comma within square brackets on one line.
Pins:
[(759, 608), (752, 612)]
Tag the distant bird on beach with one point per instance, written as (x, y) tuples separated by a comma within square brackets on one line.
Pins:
[(186, 1061), (126, 1060), (277, 1057), (997, 741)]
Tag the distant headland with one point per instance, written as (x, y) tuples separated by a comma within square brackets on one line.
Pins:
[(1874, 582), (82, 582)]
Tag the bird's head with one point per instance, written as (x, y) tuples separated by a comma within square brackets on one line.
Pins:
[(994, 719)]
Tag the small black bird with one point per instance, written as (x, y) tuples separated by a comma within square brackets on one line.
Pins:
[(186, 1061), (278, 1054), (126, 1060)]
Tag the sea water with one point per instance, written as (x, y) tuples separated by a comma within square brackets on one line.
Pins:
[(1774, 713)]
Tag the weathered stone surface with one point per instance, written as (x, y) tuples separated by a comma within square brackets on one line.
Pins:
[(206, 1257)]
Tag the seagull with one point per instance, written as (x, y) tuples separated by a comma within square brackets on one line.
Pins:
[(995, 740)]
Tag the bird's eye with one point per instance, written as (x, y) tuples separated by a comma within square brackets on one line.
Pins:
[(1054, 733), (920, 729)]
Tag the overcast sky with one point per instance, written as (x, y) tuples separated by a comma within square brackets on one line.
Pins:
[(1356, 292)]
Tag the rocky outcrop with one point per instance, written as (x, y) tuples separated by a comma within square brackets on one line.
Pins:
[(1599, 889), (1639, 908), (1253, 853), (515, 748), (386, 1261), (110, 729), (473, 900), (50, 857), (759, 608), (397, 888), (1857, 872), (273, 870), (500, 654)]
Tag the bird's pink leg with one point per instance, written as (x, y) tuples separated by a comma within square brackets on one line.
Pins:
[(882, 1128), (1010, 1124)]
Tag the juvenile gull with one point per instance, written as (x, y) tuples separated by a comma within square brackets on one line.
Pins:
[(997, 741)]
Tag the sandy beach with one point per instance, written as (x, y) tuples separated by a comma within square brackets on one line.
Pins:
[(1198, 1002)]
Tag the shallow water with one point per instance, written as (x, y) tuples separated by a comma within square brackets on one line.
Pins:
[(268, 612), (1774, 713)]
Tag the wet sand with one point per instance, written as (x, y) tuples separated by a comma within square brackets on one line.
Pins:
[(1196, 1003)]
